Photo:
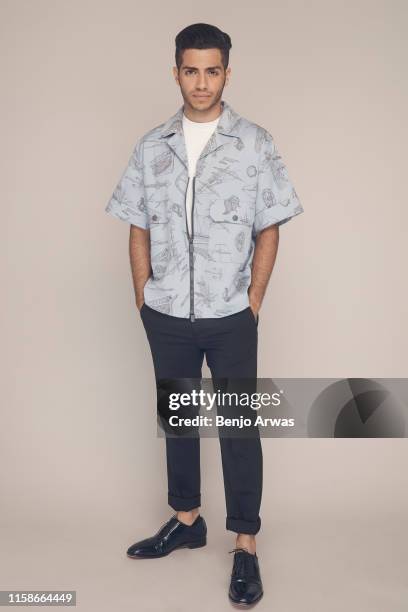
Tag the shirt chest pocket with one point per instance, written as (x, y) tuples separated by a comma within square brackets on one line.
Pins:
[(230, 230)]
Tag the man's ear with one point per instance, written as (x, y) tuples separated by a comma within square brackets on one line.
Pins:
[(175, 73)]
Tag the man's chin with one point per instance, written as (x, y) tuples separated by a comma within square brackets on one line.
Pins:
[(200, 103)]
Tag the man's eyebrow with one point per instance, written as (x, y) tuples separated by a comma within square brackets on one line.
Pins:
[(195, 68)]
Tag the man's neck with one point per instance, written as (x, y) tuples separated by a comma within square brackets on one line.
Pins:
[(202, 116)]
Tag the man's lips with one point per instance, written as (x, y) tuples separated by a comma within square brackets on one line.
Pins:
[(201, 96)]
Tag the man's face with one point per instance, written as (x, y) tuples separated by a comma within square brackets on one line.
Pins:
[(201, 77)]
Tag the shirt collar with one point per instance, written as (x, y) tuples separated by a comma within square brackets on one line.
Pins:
[(228, 123)]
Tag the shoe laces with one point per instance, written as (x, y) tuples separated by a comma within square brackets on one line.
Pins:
[(244, 565), (165, 525)]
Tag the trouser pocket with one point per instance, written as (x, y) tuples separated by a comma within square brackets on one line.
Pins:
[(254, 318)]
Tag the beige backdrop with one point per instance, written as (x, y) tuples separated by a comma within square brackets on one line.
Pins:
[(82, 471)]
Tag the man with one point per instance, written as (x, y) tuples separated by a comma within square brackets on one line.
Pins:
[(205, 193)]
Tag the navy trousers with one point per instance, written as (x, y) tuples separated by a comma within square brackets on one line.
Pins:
[(230, 345)]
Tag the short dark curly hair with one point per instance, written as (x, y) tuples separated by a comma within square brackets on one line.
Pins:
[(202, 36)]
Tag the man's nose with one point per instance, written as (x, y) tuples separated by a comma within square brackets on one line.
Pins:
[(201, 81)]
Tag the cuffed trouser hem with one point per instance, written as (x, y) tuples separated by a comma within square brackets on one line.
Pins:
[(184, 503), (242, 526)]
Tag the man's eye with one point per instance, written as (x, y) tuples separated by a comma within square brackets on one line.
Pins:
[(213, 72)]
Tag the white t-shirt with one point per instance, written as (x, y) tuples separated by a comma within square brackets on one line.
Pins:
[(196, 136)]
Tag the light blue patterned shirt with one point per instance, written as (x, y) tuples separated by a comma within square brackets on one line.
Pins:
[(241, 186)]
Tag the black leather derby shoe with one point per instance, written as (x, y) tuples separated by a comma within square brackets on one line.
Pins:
[(173, 534), (246, 584)]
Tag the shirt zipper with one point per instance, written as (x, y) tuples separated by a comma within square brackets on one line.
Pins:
[(191, 248)]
